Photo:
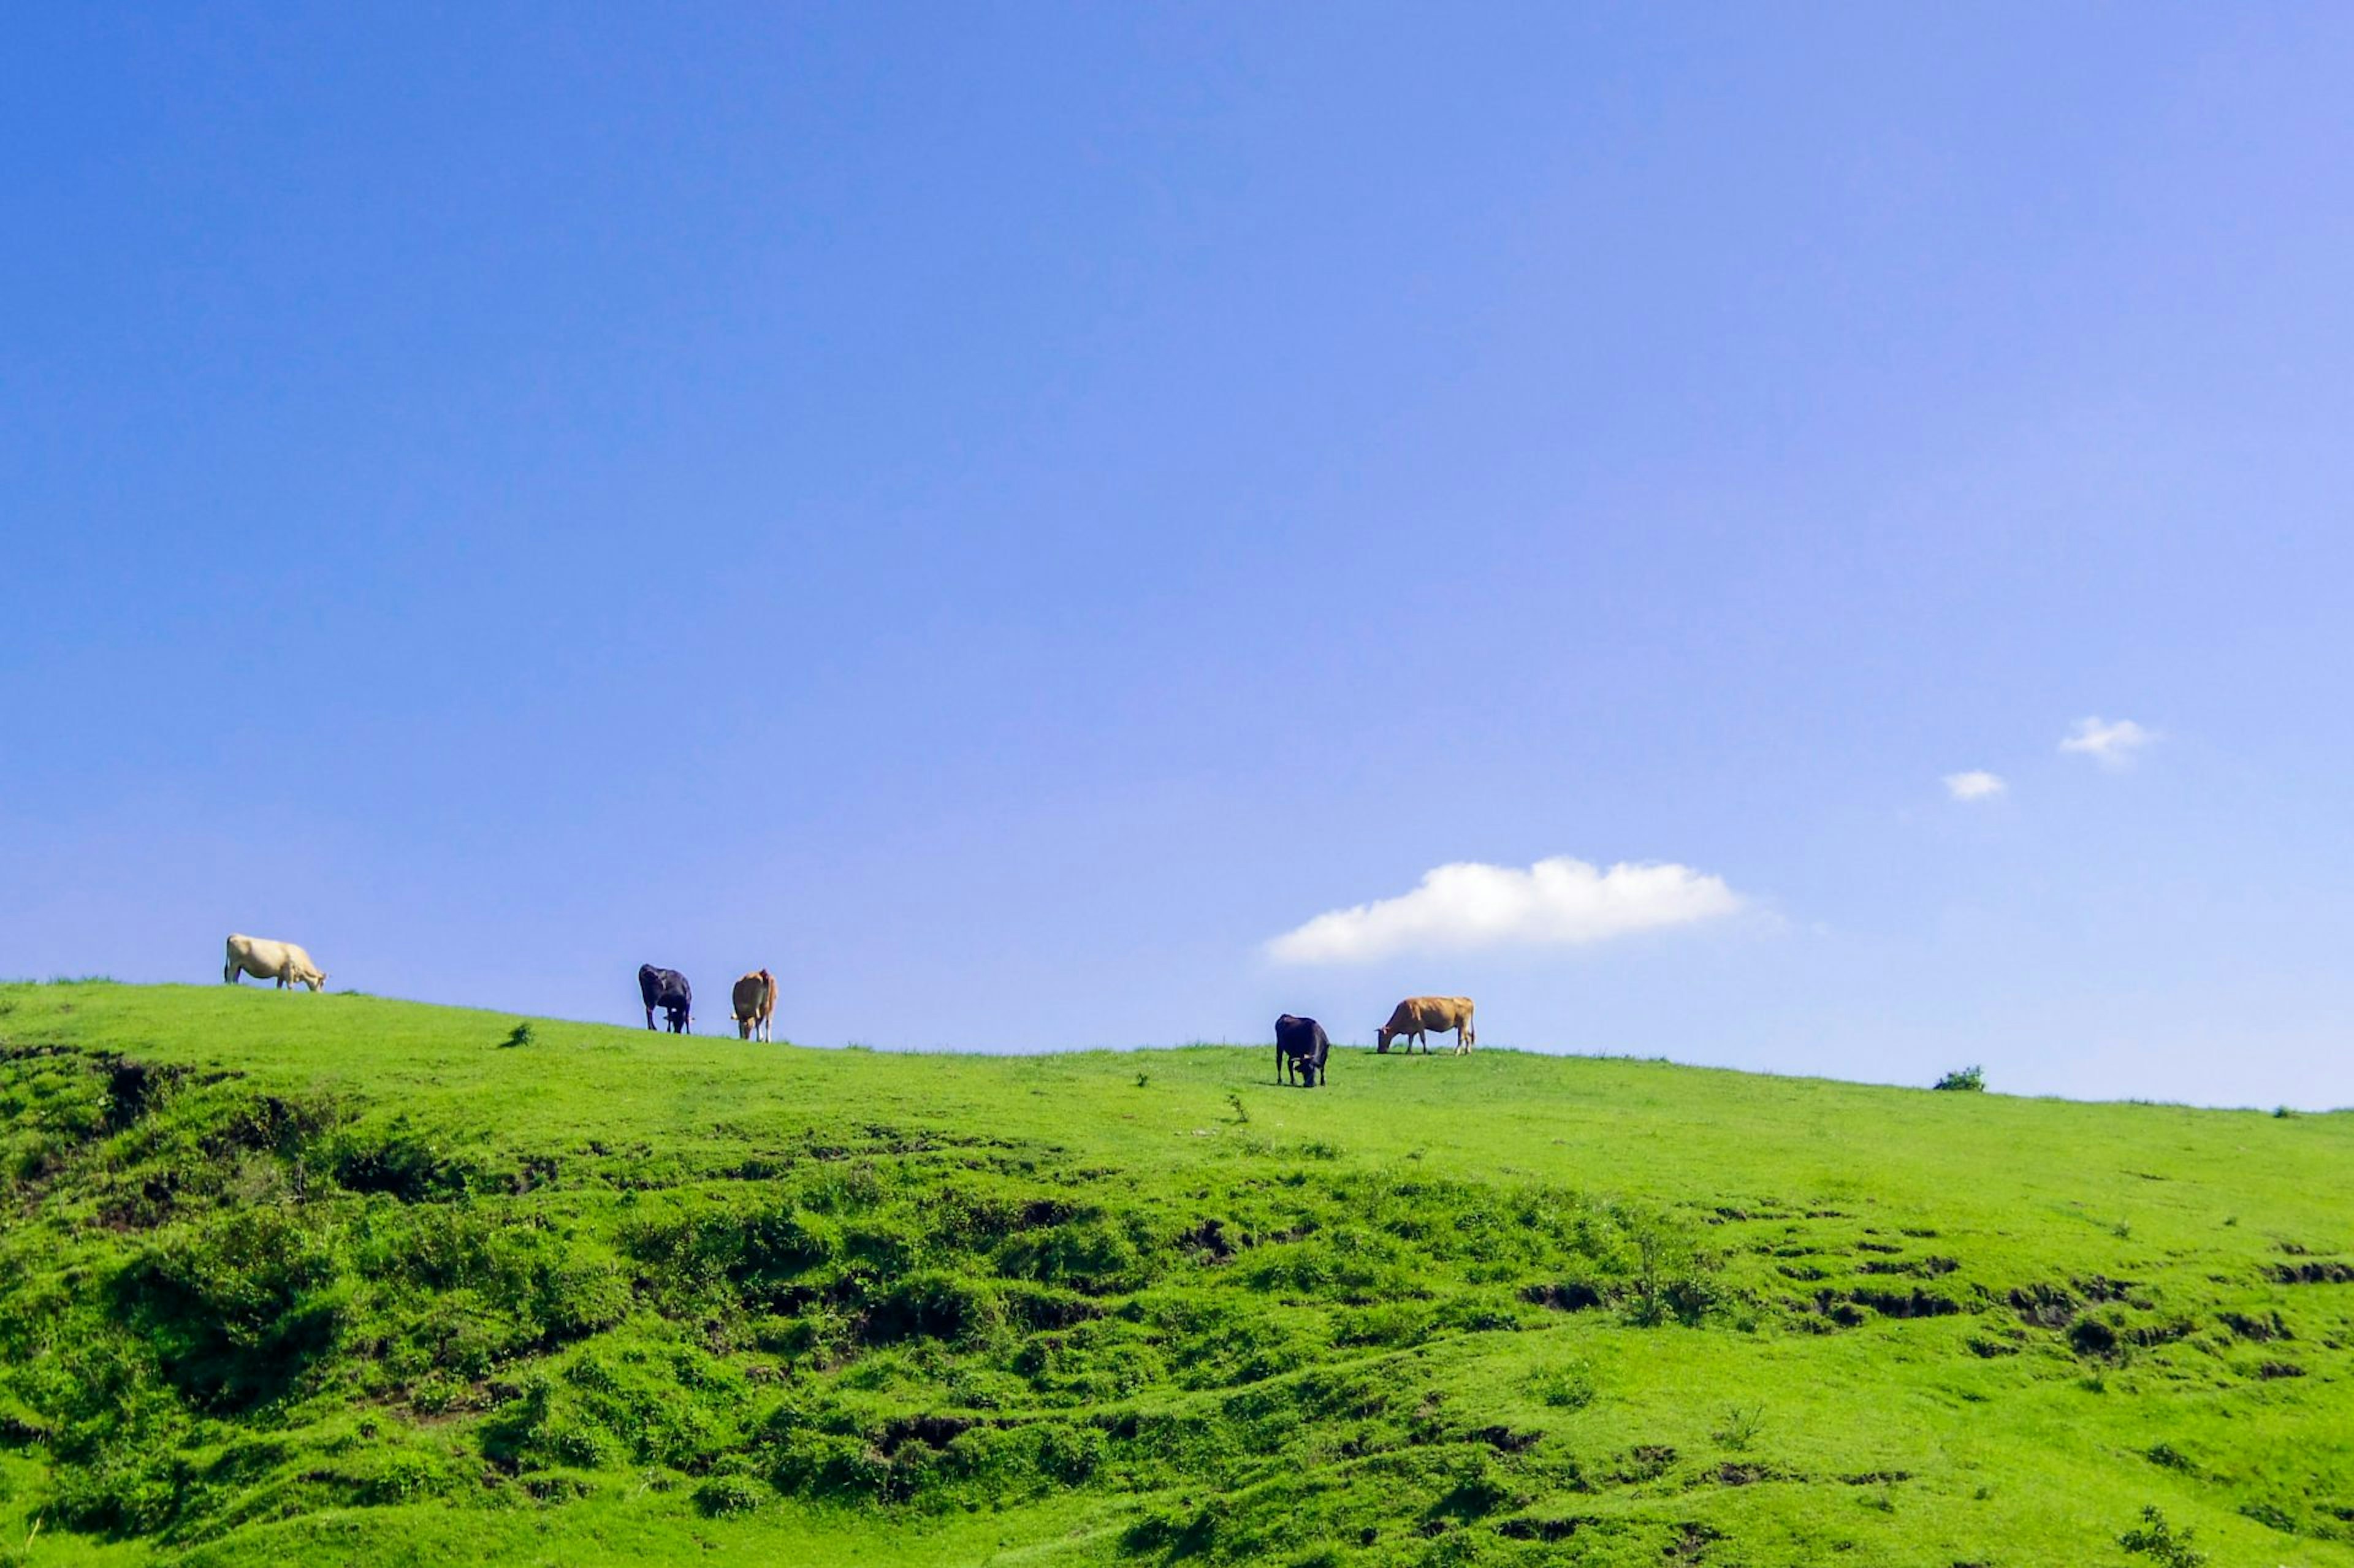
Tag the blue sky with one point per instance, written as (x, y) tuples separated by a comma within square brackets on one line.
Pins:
[(1004, 515)]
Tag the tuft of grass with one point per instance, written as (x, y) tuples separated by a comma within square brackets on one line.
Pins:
[(1741, 1427), (1563, 1385)]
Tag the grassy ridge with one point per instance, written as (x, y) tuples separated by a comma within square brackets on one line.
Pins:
[(341, 1279)]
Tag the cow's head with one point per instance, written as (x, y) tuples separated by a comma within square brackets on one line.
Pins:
[(1382, 1039), (316, 978)]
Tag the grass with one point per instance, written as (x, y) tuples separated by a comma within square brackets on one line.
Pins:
[(339, 1280)]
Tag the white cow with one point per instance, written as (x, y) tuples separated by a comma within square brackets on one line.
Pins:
[(262, 959)]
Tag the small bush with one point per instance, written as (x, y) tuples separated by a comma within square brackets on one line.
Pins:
[(1091, 1255), (727, 1497), (407, 1164), (240, 1309), (1385, 1323), (1970, 1080), (401, 1476), (2154, 1538), (1670, 1278), (935, 1304)]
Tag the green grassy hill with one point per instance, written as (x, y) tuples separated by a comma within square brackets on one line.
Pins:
[(334, 1279)]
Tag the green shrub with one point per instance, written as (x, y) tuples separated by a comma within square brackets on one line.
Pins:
[(1091, 1255), (935, 1304), (1385, 1323), (2154, 1538), (402, 1163), (782, 1243), (1965, 1079), (399, 1475), (811, 1463), (576, 1296), (727, 1497), (240, 1307)]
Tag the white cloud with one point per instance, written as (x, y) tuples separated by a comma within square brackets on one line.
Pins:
[(2110, 744), (1560, 902), (1976, 785)]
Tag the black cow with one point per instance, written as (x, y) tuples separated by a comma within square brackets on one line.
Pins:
[(1300, 1047), (667, 989)]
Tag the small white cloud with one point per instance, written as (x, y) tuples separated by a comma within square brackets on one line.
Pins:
[(2110, 744), (1976, 785), (1560, 902)]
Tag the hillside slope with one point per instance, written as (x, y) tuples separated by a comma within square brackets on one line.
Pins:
[(336, 1279)]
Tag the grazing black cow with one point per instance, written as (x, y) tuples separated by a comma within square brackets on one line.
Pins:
[(667, 989), (1300, 1047)]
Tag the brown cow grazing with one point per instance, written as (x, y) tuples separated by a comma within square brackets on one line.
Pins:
[(1417, 1015), (262, 959), (755, 1002)]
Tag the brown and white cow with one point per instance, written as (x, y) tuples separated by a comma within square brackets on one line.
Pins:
[(284, 962), (1418, 1015), (755, 1003)]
